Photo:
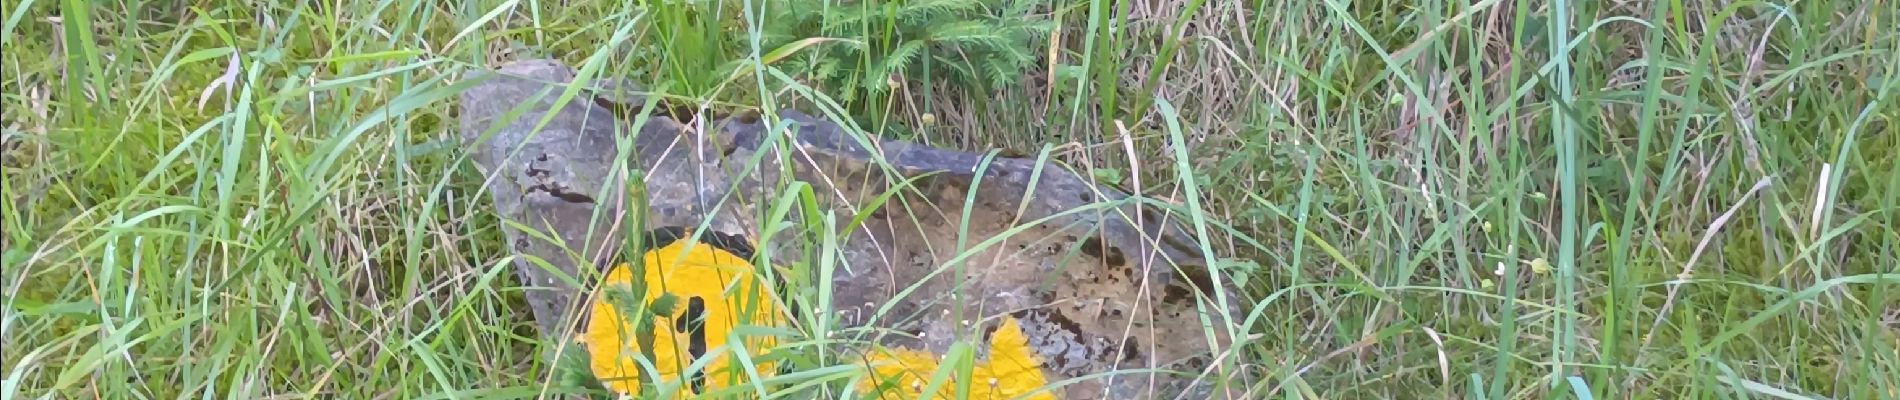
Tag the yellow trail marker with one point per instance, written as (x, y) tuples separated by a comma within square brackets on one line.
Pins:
[(713, 288), (1011, 371)]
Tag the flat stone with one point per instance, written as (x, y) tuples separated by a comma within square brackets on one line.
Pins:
[(1098, 283)]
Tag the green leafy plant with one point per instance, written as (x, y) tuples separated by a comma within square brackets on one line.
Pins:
[(976, 44)]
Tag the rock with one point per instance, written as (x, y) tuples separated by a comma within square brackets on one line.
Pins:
[(545, 181), (1097, 283)]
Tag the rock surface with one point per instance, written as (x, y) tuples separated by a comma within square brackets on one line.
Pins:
[(1098, 284)]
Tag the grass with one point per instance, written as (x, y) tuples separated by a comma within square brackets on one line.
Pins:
[(1477, 199)]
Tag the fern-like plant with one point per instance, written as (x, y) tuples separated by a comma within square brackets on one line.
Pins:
[(975, 44)]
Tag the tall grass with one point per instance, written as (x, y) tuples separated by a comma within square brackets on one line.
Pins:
[(1452, 198)]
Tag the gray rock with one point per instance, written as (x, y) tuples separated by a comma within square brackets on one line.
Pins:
[(1098, 283)]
